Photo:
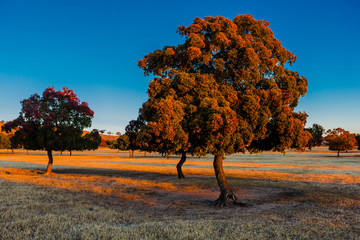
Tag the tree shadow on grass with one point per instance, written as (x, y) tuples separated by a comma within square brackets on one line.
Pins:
[(342, 155), (134, 174)]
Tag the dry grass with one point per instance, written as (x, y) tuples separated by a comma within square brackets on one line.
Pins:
[(106, 195)]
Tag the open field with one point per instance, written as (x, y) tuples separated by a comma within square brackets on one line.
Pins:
[(107, 195)]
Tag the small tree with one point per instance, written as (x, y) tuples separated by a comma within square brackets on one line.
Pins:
[(121, 143), (357, 137), (4, 141), (340, 140), (91, 140), (132, 131), (47, 122), (317, 132)]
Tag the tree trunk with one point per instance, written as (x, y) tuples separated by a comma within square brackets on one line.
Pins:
[(130, 152), (49, 153), (227, 197), (144, 153), (338, 153), (179, 165), (70, 153), (12, 151), (27, 152), (61, 153)]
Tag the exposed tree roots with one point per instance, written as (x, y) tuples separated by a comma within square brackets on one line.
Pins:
[(229, 200)]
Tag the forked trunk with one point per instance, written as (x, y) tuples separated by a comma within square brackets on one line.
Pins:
[(227, 197), (50, 156), (179, 165)]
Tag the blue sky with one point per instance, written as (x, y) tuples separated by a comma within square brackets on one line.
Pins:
[(93, 47)]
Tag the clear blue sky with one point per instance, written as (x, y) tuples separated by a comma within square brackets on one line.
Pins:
[(93, 47)]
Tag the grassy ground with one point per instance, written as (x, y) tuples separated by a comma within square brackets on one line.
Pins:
[(106, 195)]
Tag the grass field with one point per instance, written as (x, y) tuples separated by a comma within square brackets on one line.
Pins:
[(107, 195)]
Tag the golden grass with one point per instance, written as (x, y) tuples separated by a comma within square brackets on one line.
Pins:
[(109, 200), (136, 164), (105, 185)]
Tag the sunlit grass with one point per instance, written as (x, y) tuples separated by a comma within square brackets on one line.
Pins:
[(105, 194)]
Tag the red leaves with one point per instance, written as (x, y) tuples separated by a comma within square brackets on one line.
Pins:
[(45, 122)]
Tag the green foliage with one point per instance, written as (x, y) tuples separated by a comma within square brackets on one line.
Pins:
[(357, 137), (132, 131), (91, 141), (4, 141), (317, 132), (121, 143)]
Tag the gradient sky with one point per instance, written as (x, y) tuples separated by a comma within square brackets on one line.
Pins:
[(93, 48)]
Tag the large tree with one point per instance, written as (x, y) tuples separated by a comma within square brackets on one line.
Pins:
[(340, 140), (252, 96), (51, 121)]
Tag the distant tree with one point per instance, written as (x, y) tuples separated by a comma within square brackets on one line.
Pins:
[(47, 122), (250, 96), (14, 141), (109, 133), (340, 140), (121, 143), (4, 141), (317, 132), (118, 133), (132, 131), (357, 137), (91, 140)]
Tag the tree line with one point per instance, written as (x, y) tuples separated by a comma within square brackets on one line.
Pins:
[(228, 88)]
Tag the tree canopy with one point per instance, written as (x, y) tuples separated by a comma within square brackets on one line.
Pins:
[(340, 140), (91, 140), (317, 132), (4, 141), (132, 130), (53, 121), (121, 143), (226, 89)]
